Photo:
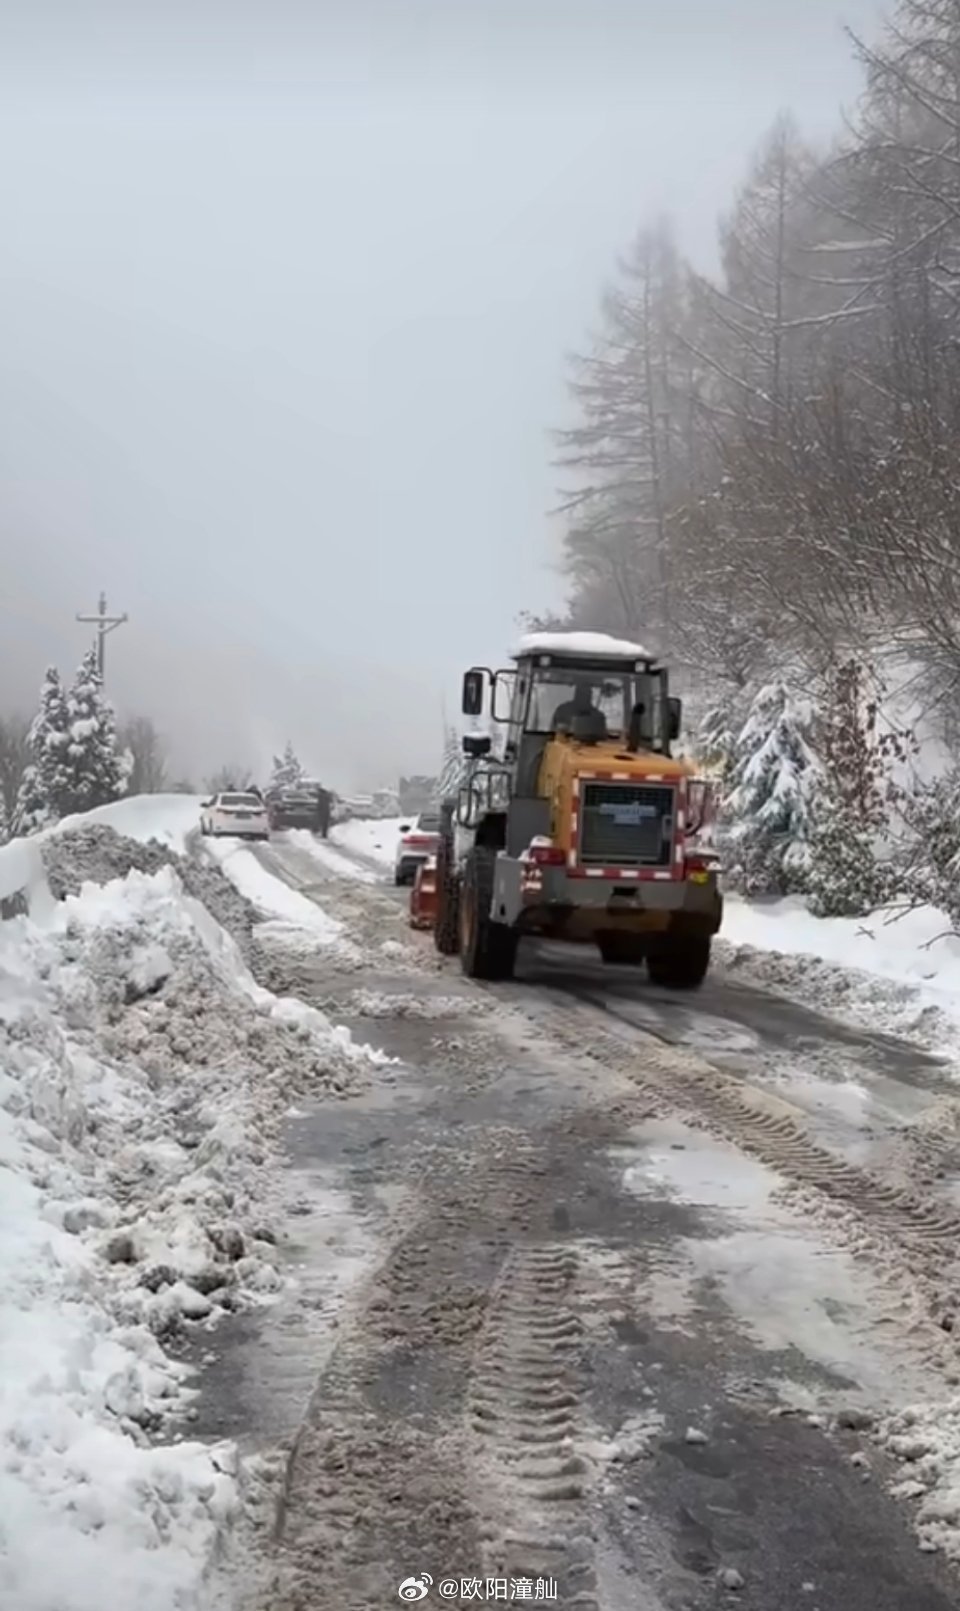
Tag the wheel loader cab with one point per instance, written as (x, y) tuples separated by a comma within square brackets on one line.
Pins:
[(569, 709)]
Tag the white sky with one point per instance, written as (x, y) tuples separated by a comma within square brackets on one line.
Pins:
[(284, 301)]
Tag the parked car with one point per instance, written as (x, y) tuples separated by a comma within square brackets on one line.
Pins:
[(418, 841), (242, 814)]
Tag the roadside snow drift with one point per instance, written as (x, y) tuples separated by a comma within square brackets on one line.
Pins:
[(143, 1078), (898, 971), (292, 916), (170, 818)]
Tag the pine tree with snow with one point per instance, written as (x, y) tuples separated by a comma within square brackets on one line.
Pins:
[(97, 768), (774, 776), (716, 742), (452, 766), (44, 787), (286, 771), (32, 810)]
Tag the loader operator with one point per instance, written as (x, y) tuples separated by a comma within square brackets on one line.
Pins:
[(581, 709)]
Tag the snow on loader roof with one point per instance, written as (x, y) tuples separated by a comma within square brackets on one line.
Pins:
[(585, 645)]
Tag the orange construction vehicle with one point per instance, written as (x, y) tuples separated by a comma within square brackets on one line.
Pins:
[(585, 828)]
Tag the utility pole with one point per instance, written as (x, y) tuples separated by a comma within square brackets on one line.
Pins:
[(104, 623)]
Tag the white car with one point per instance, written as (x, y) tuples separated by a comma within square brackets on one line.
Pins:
[(418, 842), (243, 815)]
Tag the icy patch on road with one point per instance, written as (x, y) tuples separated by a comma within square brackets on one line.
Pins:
[(144, 1076), (791, 1289)]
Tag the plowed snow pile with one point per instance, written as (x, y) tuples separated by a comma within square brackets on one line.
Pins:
[(96, 853), (143, 1077), (285, 916)]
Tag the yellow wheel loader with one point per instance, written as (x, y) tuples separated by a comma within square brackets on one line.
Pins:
[(584, 827)]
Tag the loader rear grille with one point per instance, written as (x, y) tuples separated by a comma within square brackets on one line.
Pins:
[(626, 825)]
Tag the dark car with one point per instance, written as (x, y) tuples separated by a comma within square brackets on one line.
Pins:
[(295, 808)]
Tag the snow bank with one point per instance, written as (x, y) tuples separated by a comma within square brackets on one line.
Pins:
[(271, 895), (170, 818), (167, 818), (375, 841), (143, 1079), (915, 952)]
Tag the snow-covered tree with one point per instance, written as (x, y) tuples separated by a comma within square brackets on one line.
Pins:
[(14, 760), (32, 810), (773, 781), (44, 789), (848, 874), (931, 866), (452, 766), (286, 771), (716, 742), (97, 768)]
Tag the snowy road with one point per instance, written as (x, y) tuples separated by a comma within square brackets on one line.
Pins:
[(636, 1293)]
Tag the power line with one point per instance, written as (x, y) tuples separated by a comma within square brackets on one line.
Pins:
[(104, 623)]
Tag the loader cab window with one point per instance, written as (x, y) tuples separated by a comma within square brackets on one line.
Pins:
[(545, 692), (554, 693)]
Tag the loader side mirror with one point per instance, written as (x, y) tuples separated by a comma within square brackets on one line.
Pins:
[(476, 744), (674, 715), (472, 702)]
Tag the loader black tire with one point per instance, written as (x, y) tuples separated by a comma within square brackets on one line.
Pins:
[(446, 928), (488, 950), (623, 950), (679, 963)]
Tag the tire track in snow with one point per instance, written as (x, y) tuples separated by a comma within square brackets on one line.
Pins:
[(523, 1415), (919, 1231)]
